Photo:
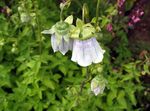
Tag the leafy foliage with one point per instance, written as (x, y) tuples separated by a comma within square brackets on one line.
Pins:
[(32, 77)]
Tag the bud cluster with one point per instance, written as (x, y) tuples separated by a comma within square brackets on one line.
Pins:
[(136, 13)]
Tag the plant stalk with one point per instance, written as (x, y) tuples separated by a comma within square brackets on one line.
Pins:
[(97, 12)]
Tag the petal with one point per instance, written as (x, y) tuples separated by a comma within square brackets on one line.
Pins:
[(96, 51), (87, 54), (64, 46), (54, 43), (96, 91), (81, 53), (95, 87), (77, 55), (61, 46), (75, 50)]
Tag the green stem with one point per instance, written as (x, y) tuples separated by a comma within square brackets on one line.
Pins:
[(97, 12), (83, 13), (39, 35), (84, 81), (61, 14)]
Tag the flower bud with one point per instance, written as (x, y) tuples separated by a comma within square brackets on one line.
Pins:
[(98, 85)]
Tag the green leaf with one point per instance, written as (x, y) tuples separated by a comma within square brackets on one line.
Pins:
[(63, 69), (111, 96), (104, 22), (121, 99), (132, 98), (49, 83)]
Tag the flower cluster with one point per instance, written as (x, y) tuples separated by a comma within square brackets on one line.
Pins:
[(81, 39), (136, 13), (121, 5)]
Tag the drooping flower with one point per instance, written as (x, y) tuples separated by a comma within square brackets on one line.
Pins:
[(60, 40), (98, 85), (86, 52), (86, 49)]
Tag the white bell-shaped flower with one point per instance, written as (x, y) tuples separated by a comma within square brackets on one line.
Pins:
[(86, 52), (63, 46), (60, 39)]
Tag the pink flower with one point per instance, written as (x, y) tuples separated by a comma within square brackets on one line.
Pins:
[(120, 3), (109, 27), (130, 24), (137, 19), (141, 13)]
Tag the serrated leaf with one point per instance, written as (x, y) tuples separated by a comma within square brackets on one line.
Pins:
[(121, 99), (63, 69), (111, 95)]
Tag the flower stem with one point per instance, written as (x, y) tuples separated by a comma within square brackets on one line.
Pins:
[(97, 12), (83, 13), (84, 81), (61, 14)]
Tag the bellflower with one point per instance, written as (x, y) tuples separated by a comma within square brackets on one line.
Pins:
[(98, 85), (86, 52), (60, 40), (86, 49)]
